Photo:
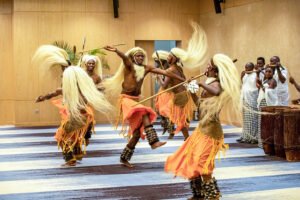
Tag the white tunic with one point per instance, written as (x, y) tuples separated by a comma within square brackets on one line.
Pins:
[(269, 94), (282, 88), (249, 89)]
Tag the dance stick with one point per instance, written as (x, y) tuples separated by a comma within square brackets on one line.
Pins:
[(161, 65), (83, 46), (115, 45)]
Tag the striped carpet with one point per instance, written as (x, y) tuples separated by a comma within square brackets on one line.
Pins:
[(30, 169)]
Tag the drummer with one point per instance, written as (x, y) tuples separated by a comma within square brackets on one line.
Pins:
[(267, 95)]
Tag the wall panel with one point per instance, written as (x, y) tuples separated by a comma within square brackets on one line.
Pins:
[(7, 78)]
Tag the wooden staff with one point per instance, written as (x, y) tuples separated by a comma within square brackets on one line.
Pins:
[(160, 63), (115, 45), (83, 46), (171, 88)]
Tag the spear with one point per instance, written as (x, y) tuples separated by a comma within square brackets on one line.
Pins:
[(115, 45), (83, 46)]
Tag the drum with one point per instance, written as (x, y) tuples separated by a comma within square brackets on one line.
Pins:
[(279, 130), (292, 134), (267, 129), (272, 130)]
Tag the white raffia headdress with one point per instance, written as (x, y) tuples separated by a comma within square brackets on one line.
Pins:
[(98, 63)]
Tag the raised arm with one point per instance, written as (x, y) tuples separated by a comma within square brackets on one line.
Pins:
[(214, 88), (163, 82), (243, 74), (281, 76), (293, 81), (50, 95), (127, 62), (163, 72)]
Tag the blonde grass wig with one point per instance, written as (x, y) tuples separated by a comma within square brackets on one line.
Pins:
[(98, 63), (113, 85), (163, 55), (78, 87), (195, 54), (48, 56), (230, 95)]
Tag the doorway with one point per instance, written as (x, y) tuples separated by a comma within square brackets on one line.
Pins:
[(150, 87)]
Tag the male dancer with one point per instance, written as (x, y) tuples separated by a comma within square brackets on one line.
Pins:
[(180, 106), (128, 82), (195, 158), (160, 59)]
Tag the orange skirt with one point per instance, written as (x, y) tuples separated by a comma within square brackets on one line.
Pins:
[(162, 101), (133, 115), (196, 156), (180, 115), (68, 140), (62, 108)]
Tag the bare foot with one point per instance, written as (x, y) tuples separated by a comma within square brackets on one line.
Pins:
[(157, 144), (126, 163), (171, 136), (78, 157), (164, 131), (69, 163)]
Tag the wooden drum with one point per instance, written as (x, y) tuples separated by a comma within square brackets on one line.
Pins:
[(267, 129), (279, 130), (292, 134)]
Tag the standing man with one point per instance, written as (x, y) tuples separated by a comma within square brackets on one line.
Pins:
[(281, 77), (249, 96), (128, 82)]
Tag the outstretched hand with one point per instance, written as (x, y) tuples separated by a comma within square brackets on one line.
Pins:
[(292, 80), (110, 48), (39, 99)]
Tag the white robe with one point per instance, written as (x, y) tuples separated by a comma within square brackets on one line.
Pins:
[(282, 88), (269, 94)]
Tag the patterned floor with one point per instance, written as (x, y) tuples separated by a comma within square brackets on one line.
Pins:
[(30, 169)]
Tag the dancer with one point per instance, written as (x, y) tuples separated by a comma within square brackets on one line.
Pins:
[(79, 94), (160, 59), (195, 158), (128, 82), (180, 106), (49, 57), (93, 66)]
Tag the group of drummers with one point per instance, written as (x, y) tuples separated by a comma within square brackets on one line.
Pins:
[(263, 85)]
